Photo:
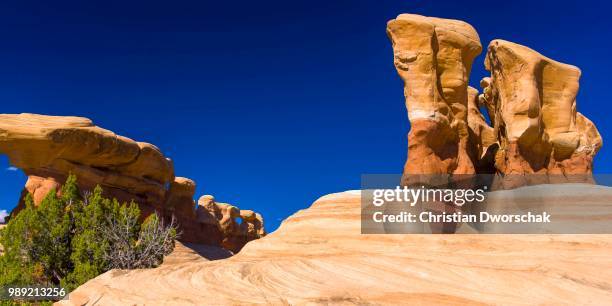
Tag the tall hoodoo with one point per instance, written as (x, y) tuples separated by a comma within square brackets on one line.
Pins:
[(533, 102), (434, 57), (530, 100)]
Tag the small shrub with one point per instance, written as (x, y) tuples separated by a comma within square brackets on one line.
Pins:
[(72, 238)]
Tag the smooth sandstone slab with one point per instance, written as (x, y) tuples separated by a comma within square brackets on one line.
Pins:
[(50, 147), (34, 141), (318, 256)]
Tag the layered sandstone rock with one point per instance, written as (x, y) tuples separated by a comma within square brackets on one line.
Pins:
[(434, 57), (180, 198), (532, 102), (235, 233), (48, 148), (319, 256), (483, 141)]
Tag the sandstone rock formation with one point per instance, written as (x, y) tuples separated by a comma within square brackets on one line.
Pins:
[(319, 256), (530, 100), (180, 198), (48, 148), (483, 141), (434, 57), (226, 216)]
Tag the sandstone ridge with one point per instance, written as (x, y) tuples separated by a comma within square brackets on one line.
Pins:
[(319, 256), (48, 148)]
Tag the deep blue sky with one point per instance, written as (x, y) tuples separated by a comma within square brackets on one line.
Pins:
[(265, 104)]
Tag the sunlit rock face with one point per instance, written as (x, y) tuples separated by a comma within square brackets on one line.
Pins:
[(48, 148), (532, 100), (434, 57), (235, 233), (318, 256)]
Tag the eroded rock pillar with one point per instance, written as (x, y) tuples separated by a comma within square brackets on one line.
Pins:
[(434, 57)]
